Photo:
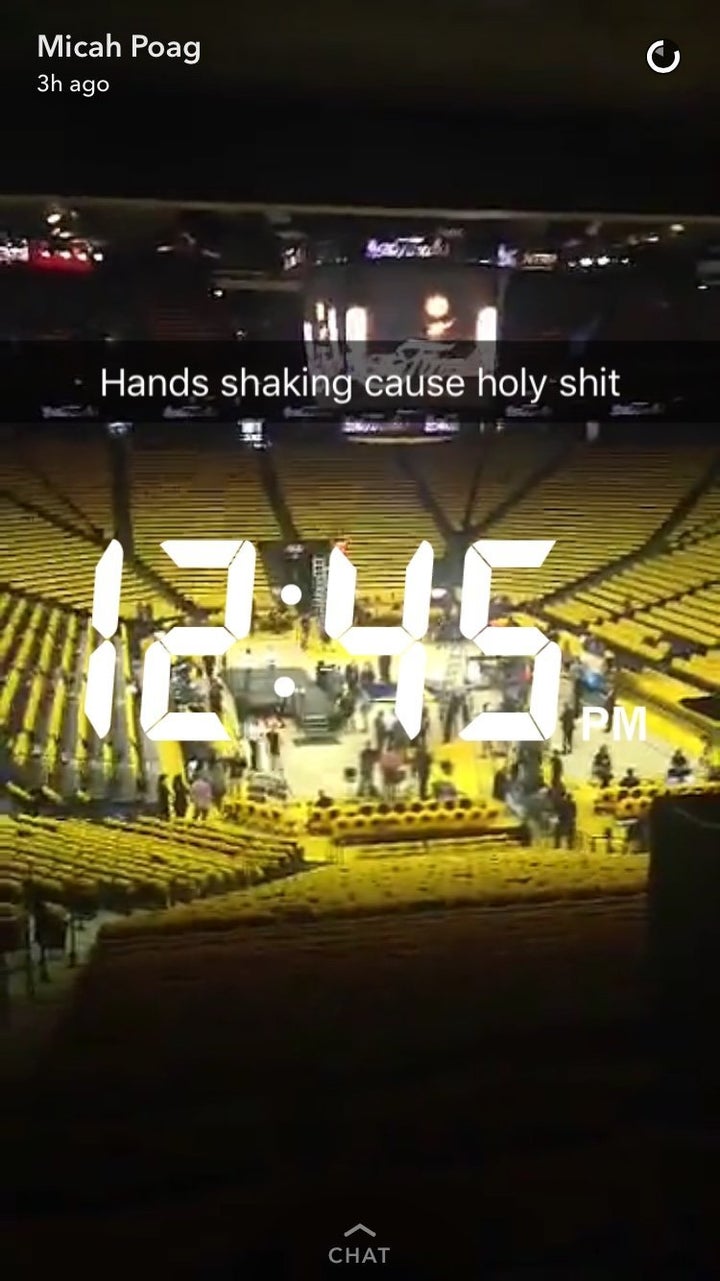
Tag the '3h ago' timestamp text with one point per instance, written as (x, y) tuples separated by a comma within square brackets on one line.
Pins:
[(86, 88)]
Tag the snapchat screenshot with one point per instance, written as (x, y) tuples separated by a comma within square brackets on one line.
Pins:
[(360, 640)]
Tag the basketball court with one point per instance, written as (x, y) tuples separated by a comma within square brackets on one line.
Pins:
[(309, 766)]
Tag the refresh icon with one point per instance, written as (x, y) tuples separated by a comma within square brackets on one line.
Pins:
[(663, 56)]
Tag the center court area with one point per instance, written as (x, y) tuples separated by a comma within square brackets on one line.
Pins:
[(308, 767)]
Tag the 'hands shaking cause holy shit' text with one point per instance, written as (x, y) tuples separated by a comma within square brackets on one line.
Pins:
[(341, 389)]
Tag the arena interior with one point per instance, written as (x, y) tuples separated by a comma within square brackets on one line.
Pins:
[(266, 920)]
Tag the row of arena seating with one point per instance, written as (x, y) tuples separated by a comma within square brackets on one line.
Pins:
[(360, 822), (44, 656), (664, 600), (264, 815), (470, 489), (598, 506), (655, 587), (200, 494), (701, 669), (194, 493), (42, 471), (55, 526), (56, 512), (630, 803), (604, 503), (703, 519), (360, 492), (357, 820), (88, 867), (45, 549)]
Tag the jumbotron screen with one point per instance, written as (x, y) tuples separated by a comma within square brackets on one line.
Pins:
[(391, 302)]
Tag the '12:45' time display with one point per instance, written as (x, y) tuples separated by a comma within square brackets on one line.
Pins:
[(403, 641)]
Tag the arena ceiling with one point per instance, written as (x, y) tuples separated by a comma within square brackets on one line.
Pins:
[(472, 102)]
